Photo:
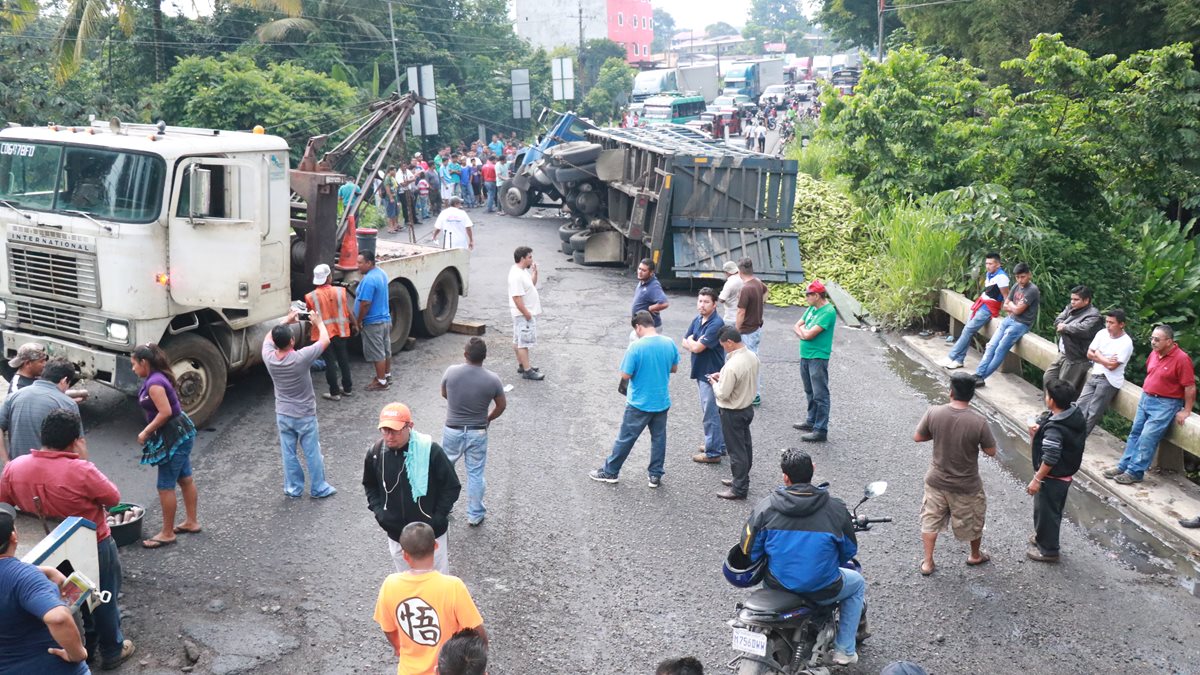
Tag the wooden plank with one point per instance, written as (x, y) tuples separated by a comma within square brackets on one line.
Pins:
[(847, 307), (468, 327)]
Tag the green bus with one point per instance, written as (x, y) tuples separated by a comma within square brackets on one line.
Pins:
[(673, 109)]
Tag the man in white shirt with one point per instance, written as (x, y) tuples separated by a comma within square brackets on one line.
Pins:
[(1109, 351), (728, 300), (460, 231), (525, 306)]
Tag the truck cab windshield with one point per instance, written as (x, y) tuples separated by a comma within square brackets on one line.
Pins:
[(113, 185)]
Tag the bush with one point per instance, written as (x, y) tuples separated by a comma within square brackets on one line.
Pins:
[(917, 256)]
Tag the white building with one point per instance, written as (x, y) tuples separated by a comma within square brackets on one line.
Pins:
[(556, 23)]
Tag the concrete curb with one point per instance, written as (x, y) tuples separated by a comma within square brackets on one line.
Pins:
[(1161, 498)]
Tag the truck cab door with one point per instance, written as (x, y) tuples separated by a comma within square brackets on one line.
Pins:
[(214, 234)]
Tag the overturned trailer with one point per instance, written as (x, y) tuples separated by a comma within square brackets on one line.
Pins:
[(668, 193)]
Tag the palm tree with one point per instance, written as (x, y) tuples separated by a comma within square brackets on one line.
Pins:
[(84, 19), (17, 15)]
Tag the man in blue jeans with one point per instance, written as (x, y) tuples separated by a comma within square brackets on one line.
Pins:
[(469, 390), (648, 365), (806, 536), (1168, 394), (296, 405), (707, 358), (1022, 307), (987, 305)]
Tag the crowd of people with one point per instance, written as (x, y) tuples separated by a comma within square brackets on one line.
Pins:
[(799, 534)]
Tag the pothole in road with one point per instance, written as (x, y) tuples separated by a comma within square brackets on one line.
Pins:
[(1129, 540)]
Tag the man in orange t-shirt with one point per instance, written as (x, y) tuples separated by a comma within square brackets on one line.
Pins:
[(419, 610)]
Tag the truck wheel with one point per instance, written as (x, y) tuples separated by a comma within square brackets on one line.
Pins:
[(436, 318), (573, 174), (401, 307), (579, 240), (567, 248), (200, 375), (565, 232), (513, 200)]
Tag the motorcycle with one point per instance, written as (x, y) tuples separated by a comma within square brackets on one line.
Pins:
[(771, 123), (781, 632)]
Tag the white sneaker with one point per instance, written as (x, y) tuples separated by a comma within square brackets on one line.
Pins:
[(949, 364), (843, 659)]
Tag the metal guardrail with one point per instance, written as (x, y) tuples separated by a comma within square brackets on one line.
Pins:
[(1041, 353)]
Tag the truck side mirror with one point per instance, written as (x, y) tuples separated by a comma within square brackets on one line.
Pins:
[(199, 192)]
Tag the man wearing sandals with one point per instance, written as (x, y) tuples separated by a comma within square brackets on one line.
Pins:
[(953, 488)]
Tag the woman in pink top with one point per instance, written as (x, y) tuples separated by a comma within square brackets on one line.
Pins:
[(166, 442)]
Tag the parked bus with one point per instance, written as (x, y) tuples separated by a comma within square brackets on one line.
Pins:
[(677, 109)]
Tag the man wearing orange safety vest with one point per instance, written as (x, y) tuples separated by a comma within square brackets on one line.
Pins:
[(332, 304)]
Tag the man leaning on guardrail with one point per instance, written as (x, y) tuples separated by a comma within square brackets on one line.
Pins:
[(1168, 393)]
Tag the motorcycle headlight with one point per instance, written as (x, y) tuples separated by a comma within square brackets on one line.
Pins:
[(117, 331)]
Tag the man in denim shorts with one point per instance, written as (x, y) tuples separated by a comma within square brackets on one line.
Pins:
[(525, 306), (374, 319)]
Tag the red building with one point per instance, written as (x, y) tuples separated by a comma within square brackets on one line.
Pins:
[(631, 24)]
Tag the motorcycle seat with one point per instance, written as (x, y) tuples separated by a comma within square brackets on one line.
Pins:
[(774, 601)]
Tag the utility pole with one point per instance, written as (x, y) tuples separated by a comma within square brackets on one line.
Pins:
[(879, 45), (395, 57), (581, 29)]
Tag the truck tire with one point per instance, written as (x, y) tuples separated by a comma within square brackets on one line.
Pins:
[(567, 248), (579, 240), (513, 200), (200, 374), (401, 307), (565, 232), (439, 313), (572, 174), (576, 152)]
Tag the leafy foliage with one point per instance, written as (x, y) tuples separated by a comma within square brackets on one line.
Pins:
[(608, 96), (776, 21), (664, 30)]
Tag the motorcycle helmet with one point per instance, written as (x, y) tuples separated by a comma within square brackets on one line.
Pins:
[(742, 573)]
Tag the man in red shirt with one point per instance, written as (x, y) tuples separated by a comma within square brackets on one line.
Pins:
[(488, 171), (1168, 393), (69, 485)]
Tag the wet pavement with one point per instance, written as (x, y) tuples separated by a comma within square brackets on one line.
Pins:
[(573, 576)]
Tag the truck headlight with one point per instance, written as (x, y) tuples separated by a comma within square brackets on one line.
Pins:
[(117, 331), (3, 308)]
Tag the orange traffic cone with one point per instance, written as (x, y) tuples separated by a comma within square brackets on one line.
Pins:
[(348, 257)]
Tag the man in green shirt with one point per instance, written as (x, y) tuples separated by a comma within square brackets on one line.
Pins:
[(815, 329)]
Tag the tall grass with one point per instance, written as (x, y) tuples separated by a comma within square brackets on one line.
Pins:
[(917, 256)]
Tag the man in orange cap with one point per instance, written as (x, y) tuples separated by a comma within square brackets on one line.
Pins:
[(408, 479), (815, 330)]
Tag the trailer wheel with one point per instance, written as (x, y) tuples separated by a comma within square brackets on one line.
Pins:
[(579, 240), (401, 307), (200, 375), (567, 248), (513, 200), (565, 232), (436, 318)]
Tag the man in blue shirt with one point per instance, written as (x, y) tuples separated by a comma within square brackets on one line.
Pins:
[(707, 357), (496, 146), (649, 296), (37, 631), (347, 193), (648, 365), (374, 319)]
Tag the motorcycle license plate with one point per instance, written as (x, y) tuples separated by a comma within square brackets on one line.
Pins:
[(750, 642)]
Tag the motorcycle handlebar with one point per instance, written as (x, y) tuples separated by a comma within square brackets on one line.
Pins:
[(879, 520)]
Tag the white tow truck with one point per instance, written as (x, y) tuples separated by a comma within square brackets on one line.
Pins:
[(115, 235)]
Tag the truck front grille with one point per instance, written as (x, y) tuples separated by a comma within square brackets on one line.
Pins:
[(58, 275), (57, 320)]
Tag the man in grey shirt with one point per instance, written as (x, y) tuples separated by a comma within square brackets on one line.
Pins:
[(24, 411), (296, 405), (1022, 307), (469, 390)]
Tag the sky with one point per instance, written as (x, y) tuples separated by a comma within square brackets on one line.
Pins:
[(696, 14)]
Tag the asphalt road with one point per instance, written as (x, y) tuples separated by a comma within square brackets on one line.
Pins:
[(573, 576)]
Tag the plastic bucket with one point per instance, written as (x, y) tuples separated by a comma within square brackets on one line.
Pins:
[(127, 533), (366, 239)]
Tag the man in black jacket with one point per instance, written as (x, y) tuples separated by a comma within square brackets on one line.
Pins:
[(408, 479), (1058, 440), (1076, 325)]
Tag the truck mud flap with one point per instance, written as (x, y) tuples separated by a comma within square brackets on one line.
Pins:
[(700, 253)]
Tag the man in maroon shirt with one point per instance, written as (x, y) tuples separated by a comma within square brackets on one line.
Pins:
[(70, 485), (1168, 393)]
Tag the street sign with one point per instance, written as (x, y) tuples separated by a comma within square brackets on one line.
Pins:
[(563, 73), (520, 94), (424, 119)]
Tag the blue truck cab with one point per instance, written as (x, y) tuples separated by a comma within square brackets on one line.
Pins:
[(742, 78), (569, 127)]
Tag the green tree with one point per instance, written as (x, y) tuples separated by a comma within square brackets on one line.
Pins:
[(664, 30), (594, 55), (720, 29), (776, 21), (855, 23), (609, 95), (17, 15), (231, 92)]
